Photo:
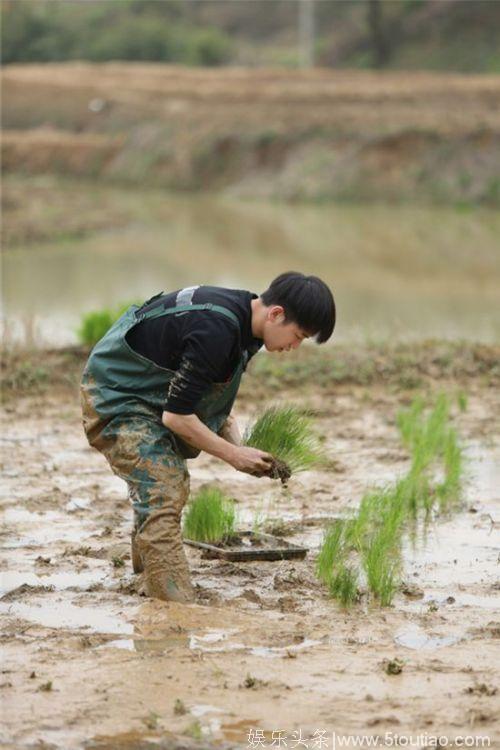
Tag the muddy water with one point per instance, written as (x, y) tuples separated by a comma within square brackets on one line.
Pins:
[(396, 271), (263, 647)]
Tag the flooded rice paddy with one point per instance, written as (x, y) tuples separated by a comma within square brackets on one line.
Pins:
[(90, 663), (396, 271)]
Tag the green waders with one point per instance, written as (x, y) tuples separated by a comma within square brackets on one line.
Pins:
[(123, 396)]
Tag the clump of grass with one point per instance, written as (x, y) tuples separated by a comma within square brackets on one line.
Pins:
[(286, 433), (94, 325), (210, 517)]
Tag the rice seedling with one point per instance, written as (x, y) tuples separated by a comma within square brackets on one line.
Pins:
[(210, 517), (332, 551), (410, 421), (258, 522), (343, 585), (449, 491), (286, 433), (462, 401), (373, 539), (381, 549), (334, 564)]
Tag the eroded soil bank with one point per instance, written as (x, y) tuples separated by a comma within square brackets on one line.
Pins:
[(311, 135), (90, 663)]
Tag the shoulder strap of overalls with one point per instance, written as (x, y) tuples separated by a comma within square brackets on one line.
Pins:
[(183, 303)]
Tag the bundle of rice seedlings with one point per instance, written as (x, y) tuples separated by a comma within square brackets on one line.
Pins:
[(210, 517), (286, 433)]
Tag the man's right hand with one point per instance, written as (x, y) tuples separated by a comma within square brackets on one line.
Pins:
[(251, 461)]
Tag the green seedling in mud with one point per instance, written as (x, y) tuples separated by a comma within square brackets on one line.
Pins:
[(210, 517), (462, 401), (379, 542), (333, 564), (343, 585), (258, 523), (430, 440), (372, 541), (286, 433), (449, 491)]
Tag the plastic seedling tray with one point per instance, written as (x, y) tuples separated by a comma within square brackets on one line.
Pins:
[(250, 545)]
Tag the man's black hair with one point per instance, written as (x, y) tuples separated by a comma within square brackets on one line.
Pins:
[(306, 300)]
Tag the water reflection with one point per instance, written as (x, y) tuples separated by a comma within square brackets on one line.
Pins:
[(396, 270)]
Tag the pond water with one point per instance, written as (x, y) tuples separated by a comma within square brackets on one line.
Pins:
[(396, 271)]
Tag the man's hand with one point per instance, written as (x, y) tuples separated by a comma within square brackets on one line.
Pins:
[(197, 434), (252, 461)]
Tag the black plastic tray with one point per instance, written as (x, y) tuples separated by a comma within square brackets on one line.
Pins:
[(257, 547)]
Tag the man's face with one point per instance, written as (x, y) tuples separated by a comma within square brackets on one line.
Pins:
[(281, 336)]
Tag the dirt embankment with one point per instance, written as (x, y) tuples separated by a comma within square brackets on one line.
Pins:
[(400, 366), (295, 135)]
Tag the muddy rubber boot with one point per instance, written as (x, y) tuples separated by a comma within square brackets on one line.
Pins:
[(137, 565), (166, 570)]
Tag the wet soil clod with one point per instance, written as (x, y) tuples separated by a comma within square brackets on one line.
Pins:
[(280, 470)]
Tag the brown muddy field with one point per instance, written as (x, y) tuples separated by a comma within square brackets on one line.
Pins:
[(90, 663)]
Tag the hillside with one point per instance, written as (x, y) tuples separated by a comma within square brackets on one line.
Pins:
[(295, 135)]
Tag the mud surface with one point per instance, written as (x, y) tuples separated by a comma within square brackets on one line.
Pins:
[(90, 663)]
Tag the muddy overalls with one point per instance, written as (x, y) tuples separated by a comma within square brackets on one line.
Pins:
[(123, 395)]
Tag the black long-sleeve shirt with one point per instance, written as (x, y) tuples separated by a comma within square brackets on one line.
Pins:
[(203, 346)]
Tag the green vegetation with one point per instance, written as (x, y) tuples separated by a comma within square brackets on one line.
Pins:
[(371, 542), (286, 433), (34, 30), (210, 517), (95, 324), (408, 35), (462, 401)]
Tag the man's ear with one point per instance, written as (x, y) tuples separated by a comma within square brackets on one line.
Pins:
[(276, 312)]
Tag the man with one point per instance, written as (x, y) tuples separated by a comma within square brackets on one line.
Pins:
[(158, 388)]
